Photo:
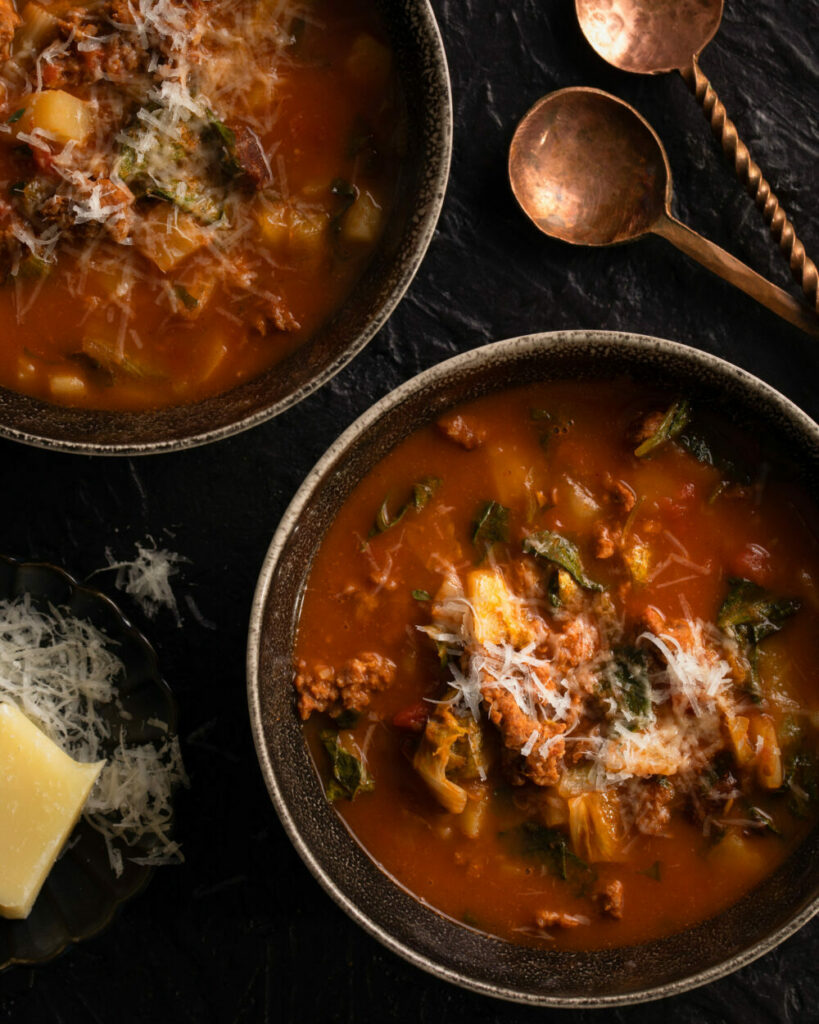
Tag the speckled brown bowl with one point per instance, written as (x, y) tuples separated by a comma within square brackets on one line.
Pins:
[(424, 77), (776, 909)]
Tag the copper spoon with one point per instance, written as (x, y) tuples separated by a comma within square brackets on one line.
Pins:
[(652, 36), (588, 169)]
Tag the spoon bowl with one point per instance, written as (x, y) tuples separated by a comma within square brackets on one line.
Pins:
[(649, 38), (588, 169)]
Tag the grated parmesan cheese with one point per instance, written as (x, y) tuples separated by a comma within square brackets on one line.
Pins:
[(148, 578), (62, 673)]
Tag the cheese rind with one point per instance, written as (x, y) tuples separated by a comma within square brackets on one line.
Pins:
[(42, 794)]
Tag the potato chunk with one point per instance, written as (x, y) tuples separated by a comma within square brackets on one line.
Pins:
[(59, 114), (167, 236)]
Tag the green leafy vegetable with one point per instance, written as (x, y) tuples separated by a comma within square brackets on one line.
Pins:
[(560, 552), (422, 595), (185, 297), (626, 677), (15, 117), (383, 520), (225, 139), (672, 423), (655, 871), (749, 613), (348, 719), (552, 847), (350, 775), (422, 493), (491, 526)]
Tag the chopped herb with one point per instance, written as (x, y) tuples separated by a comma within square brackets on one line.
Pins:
[(443, 653), (422, 595), (491, 526), (15, 117), (185, 297), (675, 419), (655, 871), (350, 776), (562, 553)]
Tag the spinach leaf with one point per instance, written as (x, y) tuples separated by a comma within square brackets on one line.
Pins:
[(672, 423), (422, 595), (553, 848), (422, 493), (626, 678), (749, 613), (350, 776), (562, 553), (491, 526)]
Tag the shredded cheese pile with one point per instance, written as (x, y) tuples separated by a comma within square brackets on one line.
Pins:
[(147, 578), (61, 672)]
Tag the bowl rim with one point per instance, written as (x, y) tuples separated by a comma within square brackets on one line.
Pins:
[(436, 185), (521, 346)]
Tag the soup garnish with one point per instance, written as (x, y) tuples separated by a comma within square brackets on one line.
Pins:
[(188, 188), (570, 697)]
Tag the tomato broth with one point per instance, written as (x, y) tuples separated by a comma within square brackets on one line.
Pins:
[(188, 190), (692, 774)]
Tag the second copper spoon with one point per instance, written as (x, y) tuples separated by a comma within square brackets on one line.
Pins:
[(588, 169), (652, 36)]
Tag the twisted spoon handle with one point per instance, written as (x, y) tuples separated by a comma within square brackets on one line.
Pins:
[(748, 171)]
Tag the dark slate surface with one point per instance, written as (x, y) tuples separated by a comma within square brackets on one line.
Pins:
[(242, 933)]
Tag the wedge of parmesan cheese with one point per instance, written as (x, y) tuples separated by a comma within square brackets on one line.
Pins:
[(42, 794)]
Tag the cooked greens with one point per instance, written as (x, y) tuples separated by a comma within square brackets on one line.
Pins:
[(422, 493), (350, 775), (491, 526), (676, 417), (749, 613), (560, 552)]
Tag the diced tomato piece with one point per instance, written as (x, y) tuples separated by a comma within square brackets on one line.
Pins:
[(753, 562), (413, 718)]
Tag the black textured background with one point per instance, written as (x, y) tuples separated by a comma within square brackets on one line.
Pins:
[(241, 932)]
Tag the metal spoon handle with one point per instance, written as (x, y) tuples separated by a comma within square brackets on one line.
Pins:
[(736, 273), (749, 173)]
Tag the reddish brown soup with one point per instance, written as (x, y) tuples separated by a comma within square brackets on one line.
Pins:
[(187, 189), (580, 681)]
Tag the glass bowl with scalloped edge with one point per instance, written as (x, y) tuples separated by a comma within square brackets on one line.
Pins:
[(82, 893)]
